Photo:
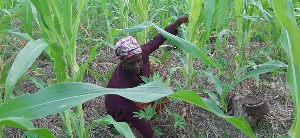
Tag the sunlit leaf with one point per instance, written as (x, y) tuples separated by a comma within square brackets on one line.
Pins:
[(184, 45), (22, 62), (122, 127), (210, 105), (18, 34), (25, 124), (262, 68), (60, 97), (27, 17)]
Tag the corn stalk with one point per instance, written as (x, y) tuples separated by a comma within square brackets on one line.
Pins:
[(59, 27), (140, 9)]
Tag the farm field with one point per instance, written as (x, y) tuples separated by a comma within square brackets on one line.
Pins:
[(57, 57)]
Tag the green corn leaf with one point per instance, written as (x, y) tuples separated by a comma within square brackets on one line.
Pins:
[(285, 14), (252, 18), (290, 42), (59, 65), (18, 34), (137, 28), (83, 67), (210, 105), (99, 77), (186, 46), (222, 14), (164, 57), (122, 127), (182, 58), (60, 97), (261, 69), (195, 20), (75, 122), (25, 124), (239, 9), (240, 70), (22, 62), (27, 17), (38, 82), (284, 39), (209, 6), (67, 17), (293, 81), (268, 17), (216, 82), (4, 73)]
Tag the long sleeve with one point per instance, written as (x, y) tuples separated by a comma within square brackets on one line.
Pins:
[(120, 108), (158, 40)]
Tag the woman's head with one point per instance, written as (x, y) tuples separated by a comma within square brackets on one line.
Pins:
[(129, 51)]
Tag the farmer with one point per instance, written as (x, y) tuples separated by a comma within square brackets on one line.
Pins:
[(134, 63)]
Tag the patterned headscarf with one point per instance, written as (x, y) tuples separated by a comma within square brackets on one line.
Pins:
[(127, 47)]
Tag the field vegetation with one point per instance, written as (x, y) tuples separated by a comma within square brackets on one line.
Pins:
[(56, 57)]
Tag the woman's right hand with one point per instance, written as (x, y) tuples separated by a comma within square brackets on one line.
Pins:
[(182, 19)]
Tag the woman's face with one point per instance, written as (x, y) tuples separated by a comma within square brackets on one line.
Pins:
[(134, 64)]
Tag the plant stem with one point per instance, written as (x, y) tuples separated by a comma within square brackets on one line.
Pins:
[(2, 135), (68, 123), (80, 111)]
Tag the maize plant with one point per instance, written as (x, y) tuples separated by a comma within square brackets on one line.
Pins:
[(60, 29)]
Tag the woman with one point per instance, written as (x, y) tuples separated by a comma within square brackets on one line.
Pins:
[(134, 63)]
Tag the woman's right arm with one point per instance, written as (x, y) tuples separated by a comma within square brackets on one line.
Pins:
[(159, 39)]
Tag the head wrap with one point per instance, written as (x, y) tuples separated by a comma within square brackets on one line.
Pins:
[(127, 47)]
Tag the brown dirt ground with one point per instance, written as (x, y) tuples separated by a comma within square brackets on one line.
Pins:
[(202, 123)]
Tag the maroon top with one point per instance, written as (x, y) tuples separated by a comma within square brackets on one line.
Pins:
[(120, 108)]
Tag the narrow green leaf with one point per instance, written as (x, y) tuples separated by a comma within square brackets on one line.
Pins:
[(240, 70), (99, 77), (22, 62), (83, 67), (60, 97), (222, 14), (284, 39), (209, 6), (216, 82), (59, 66), (195, 20), (252, 18), (122, 127), (38, 82), (4, 72), (27, 17), (182, 58), (137, 28), (164, 57), (268, 17), (186, 46), (239, 9), (75, 122), (18, 34), (211, 106), (263, 68), (25, 124), (293, 81), (67, 17), (285, 14)]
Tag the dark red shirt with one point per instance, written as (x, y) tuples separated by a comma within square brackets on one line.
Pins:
[(120, 108)]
